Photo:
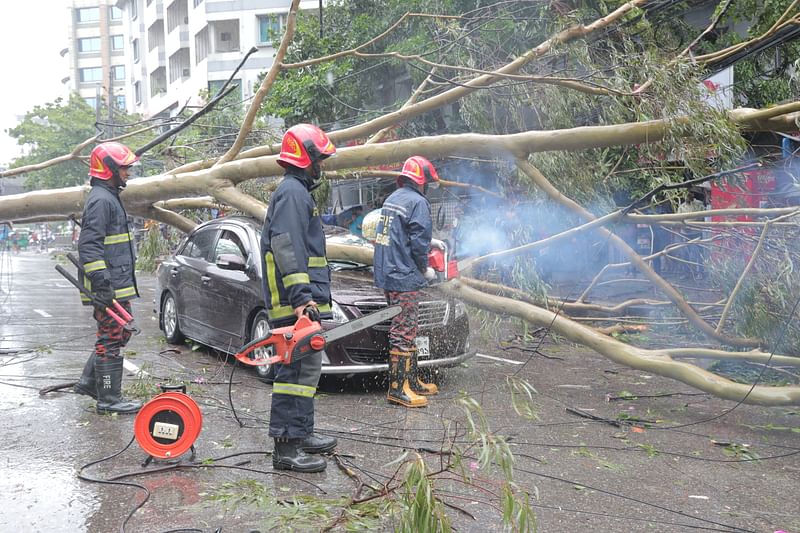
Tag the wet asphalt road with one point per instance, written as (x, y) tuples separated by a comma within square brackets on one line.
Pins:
[(589, 476)]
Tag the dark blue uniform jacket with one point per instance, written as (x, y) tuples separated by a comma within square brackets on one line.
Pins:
[(106, 246), (403, 238), (293, 252)]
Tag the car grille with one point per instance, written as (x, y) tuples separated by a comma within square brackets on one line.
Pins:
[(366, 355), (431, 314)]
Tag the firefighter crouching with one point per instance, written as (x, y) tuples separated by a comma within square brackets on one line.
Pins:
[(297, 280), (106, 251), (401, 269)]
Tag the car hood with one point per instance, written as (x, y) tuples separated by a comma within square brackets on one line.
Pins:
[(351, 286)]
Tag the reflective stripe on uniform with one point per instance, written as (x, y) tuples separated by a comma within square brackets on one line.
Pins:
[(294, 279), (317, 262), (292, 389), (118, 238), (324, 308), (124, 293), (94, 265), (272, 283), (280, 311), (276, 310)]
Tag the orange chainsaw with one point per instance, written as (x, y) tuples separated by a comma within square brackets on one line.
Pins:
[(305, 337)]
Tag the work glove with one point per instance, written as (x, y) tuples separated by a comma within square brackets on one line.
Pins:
[(430, 274), (104, 296), (309, 308), (436, 243)]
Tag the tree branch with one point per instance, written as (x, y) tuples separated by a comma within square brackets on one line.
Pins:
[(266, 85)]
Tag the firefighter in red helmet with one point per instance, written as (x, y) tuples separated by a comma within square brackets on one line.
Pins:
[(401, 269), (296, 280), (106, 251)]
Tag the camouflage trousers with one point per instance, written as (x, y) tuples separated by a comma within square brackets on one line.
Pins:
[(403, 331), (111, 337)]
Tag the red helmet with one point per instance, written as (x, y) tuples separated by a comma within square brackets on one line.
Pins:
[(419, 170), (107, 157), (304, 145)]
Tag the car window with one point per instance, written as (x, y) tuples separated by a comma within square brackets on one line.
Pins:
[(199, 245), (230, 243)]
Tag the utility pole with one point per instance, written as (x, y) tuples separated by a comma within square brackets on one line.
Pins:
[(110, 101), (98, 100)]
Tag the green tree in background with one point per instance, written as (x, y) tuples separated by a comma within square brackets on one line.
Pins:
[(52, 130)]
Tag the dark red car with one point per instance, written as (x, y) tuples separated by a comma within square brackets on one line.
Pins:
[(210, 292)]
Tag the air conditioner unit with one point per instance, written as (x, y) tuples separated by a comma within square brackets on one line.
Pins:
[(225, 36), (187, 72)]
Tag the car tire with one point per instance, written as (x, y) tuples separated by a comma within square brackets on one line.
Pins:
[(259, 328), (169, 320)]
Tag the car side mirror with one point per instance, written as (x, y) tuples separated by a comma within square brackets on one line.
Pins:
[(231, 262)]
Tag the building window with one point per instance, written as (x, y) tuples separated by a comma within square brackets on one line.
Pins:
[(92, 101), (118, 72), (269, 26), (134, 7), (88, 14), (137, 92), (120, 102), (215, 85), (91, 74), (116, 42), (116, 13), (197, 2), (135, 47), (89, 44), (201, 45)]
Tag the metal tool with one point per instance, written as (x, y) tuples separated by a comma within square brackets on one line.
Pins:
[(120, 315), (305, 337)]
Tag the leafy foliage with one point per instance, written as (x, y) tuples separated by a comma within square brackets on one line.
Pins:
[(51, 131)]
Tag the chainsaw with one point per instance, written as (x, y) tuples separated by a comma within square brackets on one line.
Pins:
[(305, 337), (440, 261)]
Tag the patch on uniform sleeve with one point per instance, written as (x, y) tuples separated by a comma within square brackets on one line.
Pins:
[(284, 253)]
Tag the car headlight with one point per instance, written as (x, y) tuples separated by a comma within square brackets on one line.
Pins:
[(338, 315), (460, 309)]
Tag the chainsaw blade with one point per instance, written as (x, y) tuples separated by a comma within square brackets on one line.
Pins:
[(366, 321)]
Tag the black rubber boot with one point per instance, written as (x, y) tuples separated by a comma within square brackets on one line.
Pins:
[(318, 444), (86, 384), (288, 455), (108, 374)]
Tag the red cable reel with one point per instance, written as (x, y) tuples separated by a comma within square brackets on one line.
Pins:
[(167, 426)]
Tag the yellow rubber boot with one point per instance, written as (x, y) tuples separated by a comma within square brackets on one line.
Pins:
[(417, 385), (399, 387)]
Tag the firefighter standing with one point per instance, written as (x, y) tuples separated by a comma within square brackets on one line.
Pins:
[(401, 269), (106, 251), (296, 281)]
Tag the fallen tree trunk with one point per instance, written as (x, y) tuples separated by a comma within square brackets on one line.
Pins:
[(143, 192)]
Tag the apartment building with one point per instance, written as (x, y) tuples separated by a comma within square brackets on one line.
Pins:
[(96, 52), (174, 49)]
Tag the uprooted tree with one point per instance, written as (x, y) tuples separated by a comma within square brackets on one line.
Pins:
[(566, 103)]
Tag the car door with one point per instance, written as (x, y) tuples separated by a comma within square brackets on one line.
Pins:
[(191, 269), (229, 294)]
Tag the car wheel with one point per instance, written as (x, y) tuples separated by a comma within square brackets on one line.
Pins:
[(260, 328), (169, 320)]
